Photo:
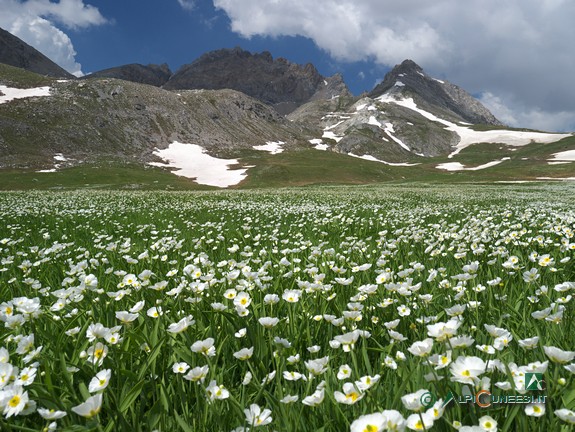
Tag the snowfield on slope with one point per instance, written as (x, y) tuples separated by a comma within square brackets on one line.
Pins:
[(8, 94), (468, 136), (192, 161), (271, 147)]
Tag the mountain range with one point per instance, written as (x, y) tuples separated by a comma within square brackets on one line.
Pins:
[(275, 122)]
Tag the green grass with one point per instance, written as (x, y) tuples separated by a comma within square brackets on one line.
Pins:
[(21, 78), (72, 259)]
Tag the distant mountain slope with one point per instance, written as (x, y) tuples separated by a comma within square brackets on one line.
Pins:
[(278, 82), (156, 75), (15, 52), (101, 119)]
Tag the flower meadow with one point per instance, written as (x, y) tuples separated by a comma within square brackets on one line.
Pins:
[(322, 309)]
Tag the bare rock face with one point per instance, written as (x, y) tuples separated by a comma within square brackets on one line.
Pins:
[(15, 52), (409, 78), (156, 75), (278, 82)]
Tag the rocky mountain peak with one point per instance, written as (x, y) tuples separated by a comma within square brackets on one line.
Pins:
[(15, 52), (277, 82), (409, 80)]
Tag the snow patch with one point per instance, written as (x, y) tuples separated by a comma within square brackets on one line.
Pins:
[(318, 144), (373, 121), (564, 156), (458, 166), (192, 161), (60, 157), (9, 94), (557, 178), (271, 147), (374, 159), (399, 84), (469, 136), (389, 131), (330, 135)]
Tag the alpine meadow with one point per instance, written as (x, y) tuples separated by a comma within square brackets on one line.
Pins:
[(295, 309)]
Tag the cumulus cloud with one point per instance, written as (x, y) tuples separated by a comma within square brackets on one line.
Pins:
[(519, 49), (34, 21)]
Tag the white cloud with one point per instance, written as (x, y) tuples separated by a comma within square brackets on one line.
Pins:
[(187, 4), (517, 115), (518, 47), (33, 21)]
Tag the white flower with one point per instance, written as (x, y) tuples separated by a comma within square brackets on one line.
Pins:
[(100, 381), (180, 368), (413, 401), (14, 400), (269, 322), (247, 378), (181, 325), (256, 417), (155, 312), (126, 317), (488, 423), (535, 410), (137, 307), (317, 366), (197, 374), (244, 353), (216, 392), (90, 408), (315, 399), (421, 348), (204, 347), (289, 399), (97, 353), (367, 381), (557, 355), (419, 422), (566, 415), (344, 372), (529, 343), (50, 414), (350, 394), (26, 377), (466, 370)]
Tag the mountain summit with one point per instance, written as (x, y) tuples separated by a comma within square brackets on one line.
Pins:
[(277, 82), (409, 78), (15, 52)]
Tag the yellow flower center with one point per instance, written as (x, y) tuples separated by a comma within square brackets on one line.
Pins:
[(98, 353), (14, 402), (370, 428), (466, 373)]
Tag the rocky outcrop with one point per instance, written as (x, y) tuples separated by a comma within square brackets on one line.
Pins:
[(15, 52), (156, 75)]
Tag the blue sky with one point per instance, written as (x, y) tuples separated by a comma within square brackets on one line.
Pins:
[(138, 32), (516, 56)]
